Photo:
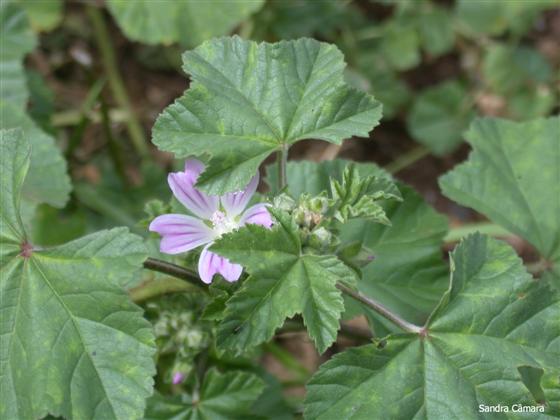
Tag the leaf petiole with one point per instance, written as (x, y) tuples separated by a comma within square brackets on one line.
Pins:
[(189, 276)]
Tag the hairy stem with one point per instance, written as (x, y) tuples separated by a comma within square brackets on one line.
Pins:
[(174, 270), (115, 80), (154, 288), (407, 159), (187, 275), (380, 309), (457, 233)]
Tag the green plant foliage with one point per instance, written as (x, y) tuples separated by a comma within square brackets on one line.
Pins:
[(47, 180), (314, 178), (356, 197), (493, 319), (189, 22), (290, 19), (401, 45), (521, 75), (221, 397), (407, 273), (383, 82), (493, 17), (512, 178), (436, 30), (73, 344), (439, 116), (282, 283), (247, 100), (44, 15), (17, 40)]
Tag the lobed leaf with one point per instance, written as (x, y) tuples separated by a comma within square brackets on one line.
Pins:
[(47, 180), (189, 22), (493, 319), (222, 397), (247, 100), (408, 273), (73, 344), (439, 116), (356, 197), (17, 41), (282, 283), (512, 178)]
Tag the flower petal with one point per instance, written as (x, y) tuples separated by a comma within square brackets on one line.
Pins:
[(257, 215), (182, 185), (234, 203), (211, 263), (181, 233)]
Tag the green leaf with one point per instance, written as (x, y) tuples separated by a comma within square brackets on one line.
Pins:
[(435, 26), (401, 44), (356, 197), (222, 397), (44, 15), (512, 178), (495, 17), (189, 22), (439, 116), (492, 319), (408, 273), (73, 344), (507, 69), (247, 100), (290, 19), (17, 41), (282, 283), (384, 83), (47, 180)]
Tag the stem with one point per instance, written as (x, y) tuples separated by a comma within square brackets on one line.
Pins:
[(380, 309), (82, 117), (287, 360), (539, 267), (187, 275), (349, 331), (153, 288), (115, 151), (282, 158), (173, 270), (407, 159), (115, 80), (456, 234)]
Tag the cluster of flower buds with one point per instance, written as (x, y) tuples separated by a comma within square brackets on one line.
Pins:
[(311, 215), (179, 334)]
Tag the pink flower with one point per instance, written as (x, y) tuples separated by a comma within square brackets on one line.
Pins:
[(216, 215)]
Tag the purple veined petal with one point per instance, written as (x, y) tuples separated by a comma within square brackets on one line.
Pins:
[(182, 185), (257, 215), (181, 233), (211, 263), (193, 168), (235, 202)]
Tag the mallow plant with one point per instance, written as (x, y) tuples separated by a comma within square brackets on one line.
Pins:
[(461, 335)]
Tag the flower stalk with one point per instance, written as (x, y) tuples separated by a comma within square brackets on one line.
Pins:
[(189, 276)]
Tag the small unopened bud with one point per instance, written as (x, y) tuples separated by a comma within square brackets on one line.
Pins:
[(284, 202), (178, 377), (320, 238)]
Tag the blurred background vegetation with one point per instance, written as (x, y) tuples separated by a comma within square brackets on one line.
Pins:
[(87, 79)]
